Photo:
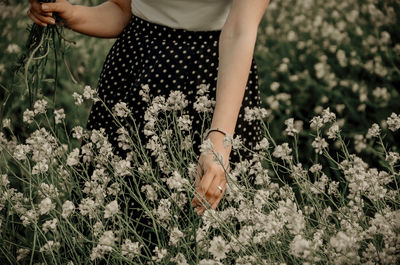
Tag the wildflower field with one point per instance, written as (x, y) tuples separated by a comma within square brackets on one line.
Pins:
[(326, 187)]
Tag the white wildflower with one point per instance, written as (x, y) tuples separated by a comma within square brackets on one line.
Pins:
[(374, 131), (263, 144), (68, 208), (131, 249), (160, 254), (50, 225), (180, 259), (184, 123), (207, 147), (392, 158), (4, 181), (290, 130), (151, 194), (176, 100), (39, 107), (77, 132), (50, 246), (316, 123), (319, 144), (28, 116), (283, 151), (256, 113), (202, 89), (59, 115), (22, 253), (204, 104), (98, 228), (108, 239), (333, 131), (89, 93), (175, 236), (144, 92), (381, 93), (111, 209), (315, 168), (177, 182), (123, 138), (7, 123), (77, 98), (88, 207), (106, 244), (40, 167), (209, 262), (274, 86), (21, 151), (333, 188), (394, 122), (300, 247), (121, 110), (187, 143), (30, 216), (360, 143), (163, 210), (122, 167), (73, 157), (236, 142), (13, 48), (45, 206), (218, 247)]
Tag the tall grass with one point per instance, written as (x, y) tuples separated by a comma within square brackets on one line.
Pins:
[(327, 169)]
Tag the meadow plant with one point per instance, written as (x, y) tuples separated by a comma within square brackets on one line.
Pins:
[(326, 189), (346, 213)]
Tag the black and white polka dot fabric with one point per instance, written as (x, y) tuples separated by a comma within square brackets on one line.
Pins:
[(166, 59)]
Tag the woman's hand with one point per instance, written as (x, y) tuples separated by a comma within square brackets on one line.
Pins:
[(210, 175), (41, 13)]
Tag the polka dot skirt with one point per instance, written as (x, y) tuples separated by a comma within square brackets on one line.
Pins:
[(167, 59)]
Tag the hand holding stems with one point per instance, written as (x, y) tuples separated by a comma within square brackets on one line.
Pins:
[(211, 174), (42, 13), (106, 20)]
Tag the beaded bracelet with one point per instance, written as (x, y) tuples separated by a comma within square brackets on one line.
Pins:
[(207, 132)]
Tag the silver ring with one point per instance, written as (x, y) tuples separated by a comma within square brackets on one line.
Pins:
[(220, 188)]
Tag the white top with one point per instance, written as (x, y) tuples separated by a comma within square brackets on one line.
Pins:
[(195, 15)]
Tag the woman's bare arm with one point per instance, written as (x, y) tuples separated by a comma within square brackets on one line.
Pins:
[(106, 20), (236, 49)]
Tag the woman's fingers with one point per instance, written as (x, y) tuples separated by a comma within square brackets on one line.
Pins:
[(200, 190), (39, 16), (35, 19), (214, 194), (220, 193), (211, 194)]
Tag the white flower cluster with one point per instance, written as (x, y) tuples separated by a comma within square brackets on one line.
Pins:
[(145, 93), (39, 107), (203, 103), (394, 122), (121, 109), (176, 101), (89, 93), (256, 113), (43, 148), (131, 249), (236, 142), (317, 122), (105, 245), (283, 151), (364, 180)]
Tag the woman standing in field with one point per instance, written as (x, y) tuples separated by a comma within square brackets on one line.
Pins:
[(175, 45)]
